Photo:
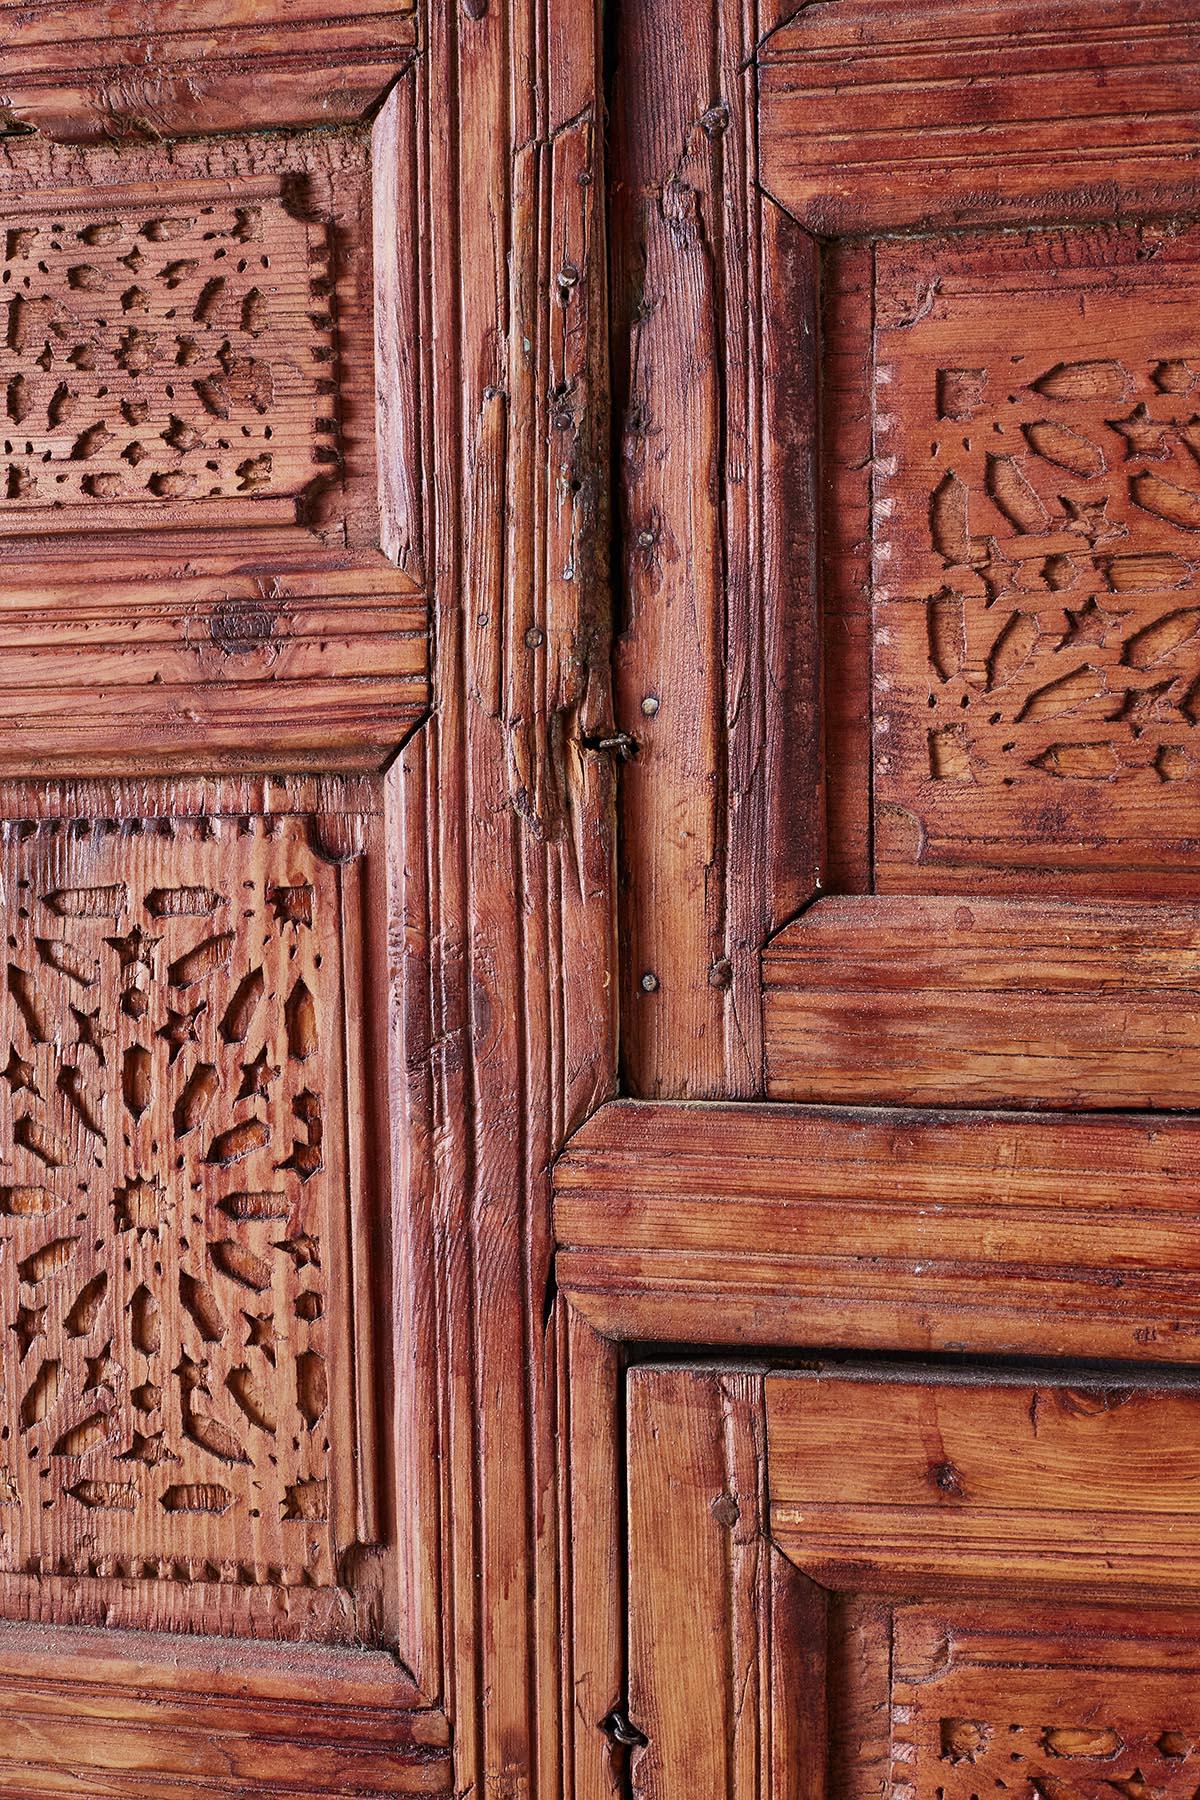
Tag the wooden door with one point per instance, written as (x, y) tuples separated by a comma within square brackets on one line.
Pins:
[(302, 656), (905, 1181)]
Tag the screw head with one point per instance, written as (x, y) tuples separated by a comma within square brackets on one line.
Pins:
[(649, 983), (650, 705)]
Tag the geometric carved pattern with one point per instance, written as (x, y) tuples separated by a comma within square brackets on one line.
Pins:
[(1042, 1704), (162, 355), (1037, 544), (1080, 1760), (173, 1209)]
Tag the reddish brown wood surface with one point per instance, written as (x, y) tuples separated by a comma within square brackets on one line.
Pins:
[(994, 815), (771, 1225), (90, 70), (726, 1640), (875, 116), (717, 654), (205, 508), (919, 1483), (1035, 502), (750, 1679), (980, 1002), (302, 403)]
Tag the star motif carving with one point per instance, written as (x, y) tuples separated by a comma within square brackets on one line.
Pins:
[(91, 1033), (257, 1077), (182, 1027), (19, 1074), (1091, 623), (1090, 519), (260, 1334), (100, 1370), (1143, 435), (136, 949), (997, 571)]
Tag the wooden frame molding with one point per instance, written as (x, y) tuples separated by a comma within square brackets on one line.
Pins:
[(783, 1644), (76, 70), (802, 1226)]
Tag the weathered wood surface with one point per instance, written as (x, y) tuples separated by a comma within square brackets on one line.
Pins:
[(875, 116), (407, 414), (885, 1000), (1103, 1700), (750, 1679), (1035, 500), (925, 1483), (726, 1639), (91, 70), (1053, 1236), (998, 796), (714, 322), (211, 488)]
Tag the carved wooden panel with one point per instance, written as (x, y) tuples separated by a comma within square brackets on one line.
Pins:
[(203, 506), (166, 357), (1057, 1705), (191, 1261), (1036, 505)]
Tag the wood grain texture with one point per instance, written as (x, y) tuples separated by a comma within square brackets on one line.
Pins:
[(726, 1640), (755, 1685), (192, 337), (875, 116), (717, 652), (1102, 1700), (187, 1229), (946, 1002), (510, 948), (1051, 1236), (928, 1483), (1034, 506), (125, 1715), (468, 320), (87, 70)]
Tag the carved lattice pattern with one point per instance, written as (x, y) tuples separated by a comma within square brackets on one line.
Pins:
[(169, 354), (170, 1176)]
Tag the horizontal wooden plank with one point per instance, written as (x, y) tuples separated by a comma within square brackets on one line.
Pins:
[(84, 70), (881, 115), (883, 1482), (1023, 1234), (898, 1000)]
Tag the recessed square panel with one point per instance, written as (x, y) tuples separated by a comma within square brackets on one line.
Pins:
[(188, 1261), (203, 508), (166, 366), (1035, 539)]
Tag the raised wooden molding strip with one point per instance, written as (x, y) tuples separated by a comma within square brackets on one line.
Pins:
[(947, 112), (924, 1484), (81, 70), (774, 1225), (894, 1000)]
